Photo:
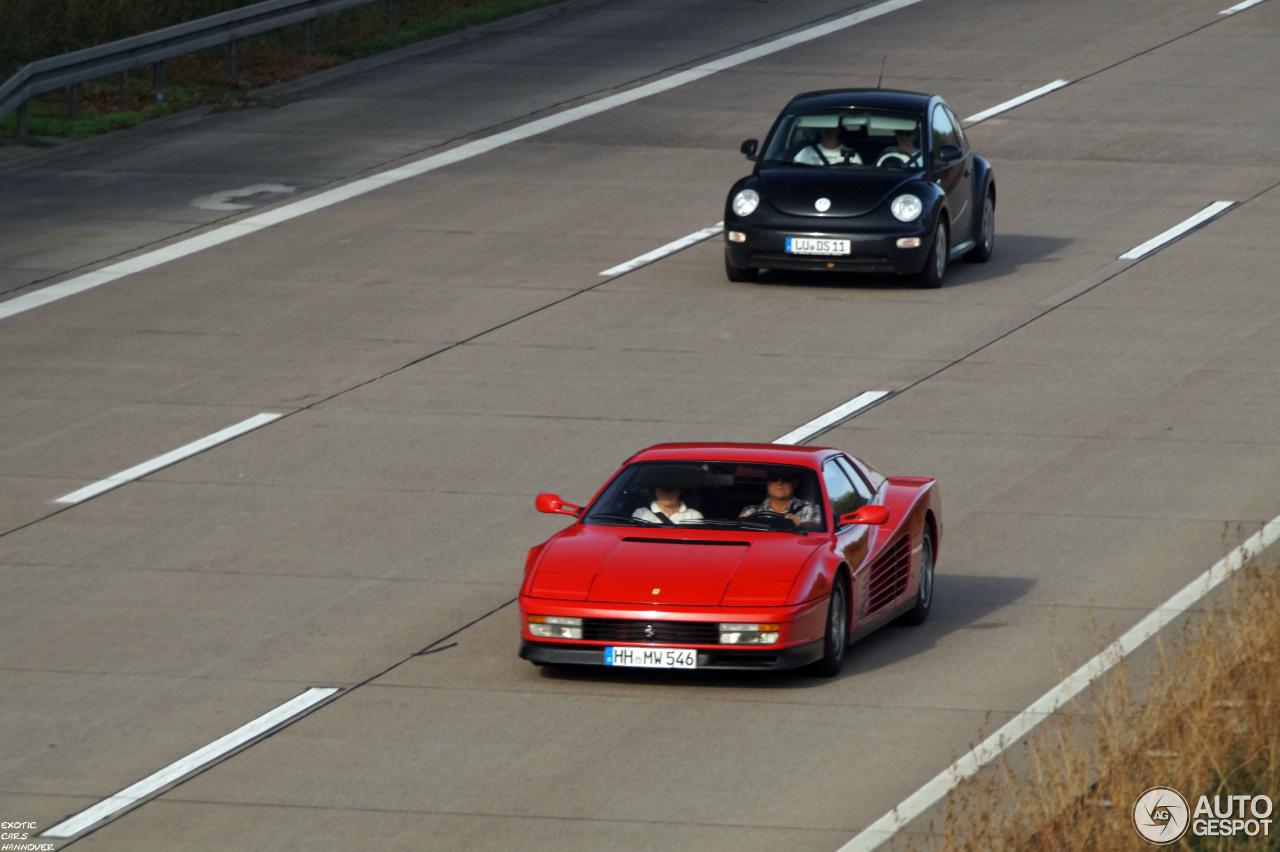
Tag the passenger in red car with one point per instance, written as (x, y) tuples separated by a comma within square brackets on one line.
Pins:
[(782, 500), (669, 506)]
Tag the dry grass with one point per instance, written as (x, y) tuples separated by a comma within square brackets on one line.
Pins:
[(1205, 722)]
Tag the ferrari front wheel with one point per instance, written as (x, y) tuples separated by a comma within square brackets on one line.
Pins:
[(836, 639), (924, 595)]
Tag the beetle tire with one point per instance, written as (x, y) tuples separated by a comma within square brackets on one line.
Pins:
[(739, 274), (935, 266), (981, 253)]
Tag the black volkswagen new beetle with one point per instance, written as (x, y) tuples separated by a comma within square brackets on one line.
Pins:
[(861, 180)]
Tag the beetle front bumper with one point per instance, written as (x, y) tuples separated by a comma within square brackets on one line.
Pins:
[(901, 251)]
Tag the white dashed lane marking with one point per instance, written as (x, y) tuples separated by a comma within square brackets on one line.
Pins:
[(141, 470)]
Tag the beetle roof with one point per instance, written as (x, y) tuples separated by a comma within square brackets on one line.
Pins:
[(892, 99)]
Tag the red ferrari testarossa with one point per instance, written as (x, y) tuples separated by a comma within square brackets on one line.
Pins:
[(731, 556)]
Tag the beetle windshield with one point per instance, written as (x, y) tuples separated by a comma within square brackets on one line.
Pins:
[(721, 495), (844, 138)]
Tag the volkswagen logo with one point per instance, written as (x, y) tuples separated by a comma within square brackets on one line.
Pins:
[(822, 205)]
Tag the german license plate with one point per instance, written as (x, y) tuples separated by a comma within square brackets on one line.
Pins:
[(810, 245), (652, 658)]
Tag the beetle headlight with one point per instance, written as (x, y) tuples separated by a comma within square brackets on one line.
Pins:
[(746, 202), (906, 208), (555, 627), (749, 634)]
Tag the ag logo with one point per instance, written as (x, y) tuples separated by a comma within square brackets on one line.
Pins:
[(1161, 816)]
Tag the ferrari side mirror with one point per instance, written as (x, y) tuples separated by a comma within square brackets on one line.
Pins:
[(748, 148), (553, 505), (870, 515)]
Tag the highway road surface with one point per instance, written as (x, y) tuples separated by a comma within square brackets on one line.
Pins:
[(279, 387)]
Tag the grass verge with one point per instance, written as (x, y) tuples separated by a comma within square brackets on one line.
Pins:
[(1206, 722), (205, 79)]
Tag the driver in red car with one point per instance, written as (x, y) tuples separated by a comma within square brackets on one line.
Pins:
[(782, 500)]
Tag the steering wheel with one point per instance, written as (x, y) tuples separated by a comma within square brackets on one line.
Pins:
[(898, 159), (773, 520)]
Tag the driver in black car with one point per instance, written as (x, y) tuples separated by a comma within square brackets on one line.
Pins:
[(782, 500), (904, 151)]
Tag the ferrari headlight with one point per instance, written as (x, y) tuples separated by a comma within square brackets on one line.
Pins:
[(906, 208), (746, 202), (555, 627), (749, 634)]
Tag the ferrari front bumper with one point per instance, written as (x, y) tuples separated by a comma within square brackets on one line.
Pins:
[(761, 659)]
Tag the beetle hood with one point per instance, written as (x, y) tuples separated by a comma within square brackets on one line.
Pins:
[(795, 190)]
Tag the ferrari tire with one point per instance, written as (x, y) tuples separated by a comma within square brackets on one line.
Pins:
[(935, 266), (836, 639), (924, 595), (981, 253), (739, 274)]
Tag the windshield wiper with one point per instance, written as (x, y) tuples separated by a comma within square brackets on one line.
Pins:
[(622, 519), (756, 525)]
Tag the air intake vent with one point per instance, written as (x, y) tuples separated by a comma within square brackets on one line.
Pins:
[(889, 575), (697, 541), (665, 632)]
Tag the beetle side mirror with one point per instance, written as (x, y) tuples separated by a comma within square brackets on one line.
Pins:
[(748, 148), (553, 505), (870, 515), (947, 154)]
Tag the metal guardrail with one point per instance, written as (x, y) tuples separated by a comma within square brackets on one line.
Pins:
[(153, 48)]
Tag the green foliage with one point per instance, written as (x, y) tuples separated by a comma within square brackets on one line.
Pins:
[(38, 29)]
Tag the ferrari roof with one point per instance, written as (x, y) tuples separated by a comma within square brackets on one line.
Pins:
[(745, 453)]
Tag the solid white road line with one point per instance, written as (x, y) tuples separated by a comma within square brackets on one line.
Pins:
[(1178, 230), (670, 248), (968, 765), (1240, 7), (1018, 101), (320, 200), (188, 765), (835, 415), (167, 459)]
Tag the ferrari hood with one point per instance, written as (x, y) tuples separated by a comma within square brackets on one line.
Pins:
[(794, 190), (671, 571), (641, 570)]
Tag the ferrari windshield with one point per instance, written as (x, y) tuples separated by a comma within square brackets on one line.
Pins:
[(723, 495), (847, 137)]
